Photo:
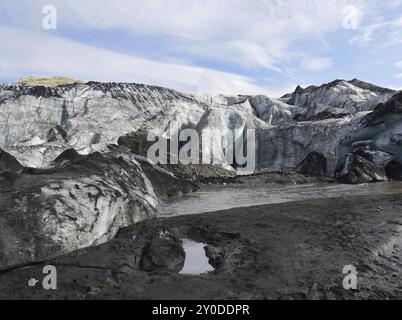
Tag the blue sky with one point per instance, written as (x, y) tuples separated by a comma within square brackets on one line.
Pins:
[(215, 46)]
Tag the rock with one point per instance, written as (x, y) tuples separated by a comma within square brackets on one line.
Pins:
[(314, 165), (164, 253), (56, 134), (394, 171), (137, 142), (359, 170), (83, 203), (216, 256), (364, 164), (379, 158), (66, 157), (9, 164), (397, 139)]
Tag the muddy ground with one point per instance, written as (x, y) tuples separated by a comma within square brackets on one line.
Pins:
[(282, 251)]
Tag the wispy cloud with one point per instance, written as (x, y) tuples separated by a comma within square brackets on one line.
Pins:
[(210, 45), (374, 30), (52, 55), (254, 33)]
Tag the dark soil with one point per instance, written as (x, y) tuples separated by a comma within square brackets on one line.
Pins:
[(284, 251)]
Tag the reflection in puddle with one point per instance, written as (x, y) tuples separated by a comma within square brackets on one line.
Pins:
[(196, 261)]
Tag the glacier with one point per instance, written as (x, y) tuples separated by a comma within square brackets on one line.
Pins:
[(73, 166), (37, 123)]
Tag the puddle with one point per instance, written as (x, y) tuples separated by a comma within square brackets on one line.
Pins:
[(196, 261)]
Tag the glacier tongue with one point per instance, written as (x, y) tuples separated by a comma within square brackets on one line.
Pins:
[(38, 123)]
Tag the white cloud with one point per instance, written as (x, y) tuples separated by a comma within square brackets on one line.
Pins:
[(394, 4), (253, 33), (374, 31), (319, 64), (55, 56), (398, 76), (398, 64)]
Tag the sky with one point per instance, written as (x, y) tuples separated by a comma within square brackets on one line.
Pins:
[(214, 46)]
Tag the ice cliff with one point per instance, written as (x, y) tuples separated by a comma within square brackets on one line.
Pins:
[(37, 123)]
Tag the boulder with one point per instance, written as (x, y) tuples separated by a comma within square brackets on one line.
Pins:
[(394, 170), (216, 256), (359, 170), (315, 164), (379, 158), (164, 253), (397, 139)]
